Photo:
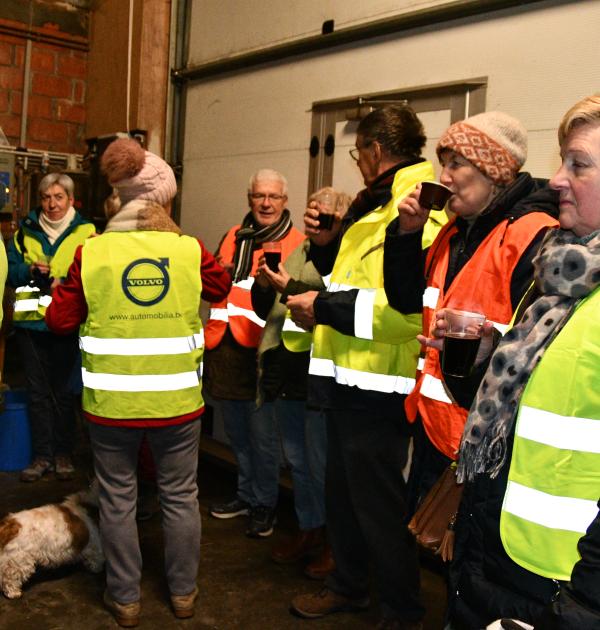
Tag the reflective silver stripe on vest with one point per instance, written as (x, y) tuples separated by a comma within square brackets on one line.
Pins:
[(31, 304), (574, 515), (220, 314), (326, 280), (334, 287), (238, 311), (139, 382), (501, 328), (433, 388), (27, 289), (363, 380), (420, 363), (142, 347), (363, 314), (289, 326), (430, 297), (25, 306), (244, 284), (564, 432)]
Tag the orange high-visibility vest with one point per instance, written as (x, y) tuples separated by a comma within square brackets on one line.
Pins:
[(236, 309), (482, 285)]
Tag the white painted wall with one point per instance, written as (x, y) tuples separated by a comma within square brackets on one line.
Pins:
[(539, 60)]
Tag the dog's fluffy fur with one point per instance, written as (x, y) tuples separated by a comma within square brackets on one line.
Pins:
[(49, 536)]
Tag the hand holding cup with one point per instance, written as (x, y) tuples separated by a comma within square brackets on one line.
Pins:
[(462, 338)]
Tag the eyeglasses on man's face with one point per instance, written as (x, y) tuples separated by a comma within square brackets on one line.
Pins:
[(354, 153), (262, 197)]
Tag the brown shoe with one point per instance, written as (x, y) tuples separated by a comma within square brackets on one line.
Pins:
[(297, 547), (184, 605), (322, 566), (126, 615), (326, 602), (63, 468), (37, 469)]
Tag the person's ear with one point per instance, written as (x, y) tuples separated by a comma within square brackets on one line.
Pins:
[(377, 151)]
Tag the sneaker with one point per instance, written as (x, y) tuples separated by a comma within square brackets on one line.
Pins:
[(63, 467), (230, 509), (126, 615), (326, 602), (37, 469), (183, 605), (260, 522)]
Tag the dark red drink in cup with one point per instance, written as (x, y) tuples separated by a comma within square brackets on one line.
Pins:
[(461, 342), (272, 250), (326, 205)]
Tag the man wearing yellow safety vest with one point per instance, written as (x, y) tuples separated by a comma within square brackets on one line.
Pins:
[(233, 332), (135, 290), (362, 367), (39, 256)]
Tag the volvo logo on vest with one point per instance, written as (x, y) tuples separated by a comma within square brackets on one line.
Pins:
[(146, 281)]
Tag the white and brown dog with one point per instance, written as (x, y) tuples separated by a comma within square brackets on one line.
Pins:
[(49, 536)]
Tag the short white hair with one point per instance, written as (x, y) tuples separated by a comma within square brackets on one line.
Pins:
[(269, 175), (59, 179)]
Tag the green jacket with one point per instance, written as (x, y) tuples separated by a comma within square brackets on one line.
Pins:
[(28, 243)]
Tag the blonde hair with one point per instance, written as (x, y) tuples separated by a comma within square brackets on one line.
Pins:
[(585, 112)]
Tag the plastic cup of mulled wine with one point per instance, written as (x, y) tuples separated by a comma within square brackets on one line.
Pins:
[(461, 341), (326, 206), (272, 251), (434, 195)]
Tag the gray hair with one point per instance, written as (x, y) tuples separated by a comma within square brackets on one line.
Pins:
[(268, 174), (59, 179)]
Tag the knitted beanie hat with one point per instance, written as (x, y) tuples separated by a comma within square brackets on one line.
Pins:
[(494, 142), (138, 174)]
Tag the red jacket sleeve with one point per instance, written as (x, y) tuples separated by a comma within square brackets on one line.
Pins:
[(216, 281), (68, 308)]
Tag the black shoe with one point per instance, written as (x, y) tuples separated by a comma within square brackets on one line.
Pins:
[(230, 509), (260, 522)]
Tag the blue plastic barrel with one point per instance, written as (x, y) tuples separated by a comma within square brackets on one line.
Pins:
[(15, 436)]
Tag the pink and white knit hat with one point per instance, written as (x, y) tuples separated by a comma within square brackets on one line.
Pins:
[(494, 142), (138, 174)]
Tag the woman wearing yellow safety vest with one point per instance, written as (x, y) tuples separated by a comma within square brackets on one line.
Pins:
[(39, 256), (135, 290), (530, 450)]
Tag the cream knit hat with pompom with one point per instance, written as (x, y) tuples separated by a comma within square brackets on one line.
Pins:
[(138, 174)]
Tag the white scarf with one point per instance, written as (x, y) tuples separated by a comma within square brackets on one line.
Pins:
[(54, 229)]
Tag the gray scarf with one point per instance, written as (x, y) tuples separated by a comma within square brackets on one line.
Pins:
[(567, 269), (251, 234)]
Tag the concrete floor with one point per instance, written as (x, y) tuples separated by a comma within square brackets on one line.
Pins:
[(241, 588)]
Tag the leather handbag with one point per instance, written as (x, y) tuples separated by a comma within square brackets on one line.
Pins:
[(433, 523)]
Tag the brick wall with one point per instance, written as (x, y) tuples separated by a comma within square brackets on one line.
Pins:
[(56, 113)]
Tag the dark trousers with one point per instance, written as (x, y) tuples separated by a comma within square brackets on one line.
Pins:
[(366, 510), (48, 361)]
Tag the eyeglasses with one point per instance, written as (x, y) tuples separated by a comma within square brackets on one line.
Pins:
[(261, 197), (354, 152)]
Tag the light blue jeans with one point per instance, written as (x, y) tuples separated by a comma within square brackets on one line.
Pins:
[(175, 452), (254, 439), (304, 439)]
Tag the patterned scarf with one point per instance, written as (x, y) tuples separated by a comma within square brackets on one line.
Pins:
[(567, 269), (251, 234)]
